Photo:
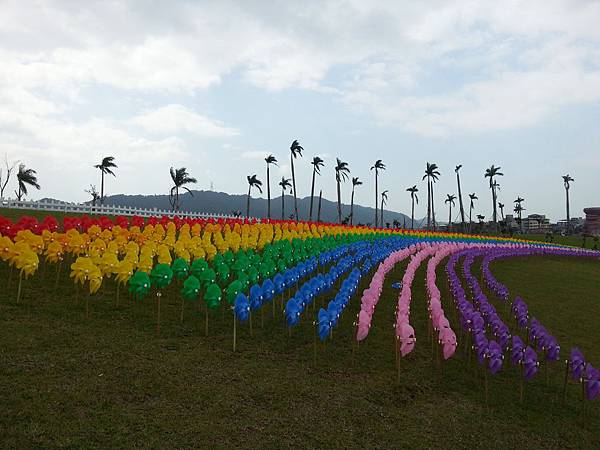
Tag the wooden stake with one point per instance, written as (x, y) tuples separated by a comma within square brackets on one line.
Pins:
[(206, 322), (19, 288), (234, 331), (158, 295), (182, 308), (250, 319), (564, 394)]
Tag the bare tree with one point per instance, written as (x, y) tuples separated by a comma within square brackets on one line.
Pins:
[(5, 177), (94, 193)]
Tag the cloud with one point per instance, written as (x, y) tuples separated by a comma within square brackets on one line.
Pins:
[(177, 118)]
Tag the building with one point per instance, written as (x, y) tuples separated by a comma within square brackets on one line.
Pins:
[(592, 221), (536, 223)]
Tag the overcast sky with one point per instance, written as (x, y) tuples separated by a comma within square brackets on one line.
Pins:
[(216, 86)]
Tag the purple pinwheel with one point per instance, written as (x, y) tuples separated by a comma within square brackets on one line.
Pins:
[(516, 355), (495, 357), (577, 363), (480, 345), (592, 382), (530, 363)]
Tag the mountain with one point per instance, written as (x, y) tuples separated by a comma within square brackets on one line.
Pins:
[(220, 202)]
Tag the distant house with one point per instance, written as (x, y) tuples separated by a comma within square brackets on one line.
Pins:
[(536, 223)]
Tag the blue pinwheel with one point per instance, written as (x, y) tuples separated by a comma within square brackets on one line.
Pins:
[(241, 307), (293, 309), (324, 324), (279, 283), (256, 297), (268, 290), (577, 363)]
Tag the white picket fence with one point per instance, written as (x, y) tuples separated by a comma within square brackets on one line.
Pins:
[(105, 210)]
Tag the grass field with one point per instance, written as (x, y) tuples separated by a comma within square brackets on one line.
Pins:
[(110, 381)]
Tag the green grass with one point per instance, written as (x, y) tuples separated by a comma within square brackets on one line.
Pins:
[(111, 382)]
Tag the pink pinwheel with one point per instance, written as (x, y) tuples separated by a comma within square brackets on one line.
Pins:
[(448, 340), (406, 335), (364, 323)]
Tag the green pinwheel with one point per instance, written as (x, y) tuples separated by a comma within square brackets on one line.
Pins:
[(207, 277), (190, 291), (213, 295), (181, 268), (161, 275), (234, 288), (139, 285), (222, 273), (229, 257), (245, 282), (253, 275), (191, 288), (198, 267), (212, 298)]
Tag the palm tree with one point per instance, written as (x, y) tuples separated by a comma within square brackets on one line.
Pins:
[(284, 183), (105, 167), (341, 174), (26, 177), (295, 150), (490, 173), (93, 192), (180, 178), (355, 182), (432, 174), (501, 206), (460, 200), (317, 164), (379, 165), (450, 200), (383, 203), (269, 160), (480, 218), (567, 182), (519, 210), (413, 197), (473, 197), (252, 182)]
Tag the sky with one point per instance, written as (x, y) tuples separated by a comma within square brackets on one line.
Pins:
[(217, 86)]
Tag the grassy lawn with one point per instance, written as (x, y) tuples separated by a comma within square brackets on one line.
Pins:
[(111, 382)]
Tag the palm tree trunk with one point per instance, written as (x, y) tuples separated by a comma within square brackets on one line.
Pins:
[(102, 189), (470, 219), (428, 204), (412, 215), (449, 216), (248, 203), (319, 209), (268, 194), (352, 207), (460, 201), (381, 212), (493, 199), (568, 212), (376, 197), (282, 204), (312, 195), (339, 199), (294, 185), (432, 208)]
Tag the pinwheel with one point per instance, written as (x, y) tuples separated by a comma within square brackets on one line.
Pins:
[(293, 309), (232, 291), (181, 268), (139, 285), (212, 299), (495, 357), (241, 311), (530, 363), (592, 382), (197, 267)]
